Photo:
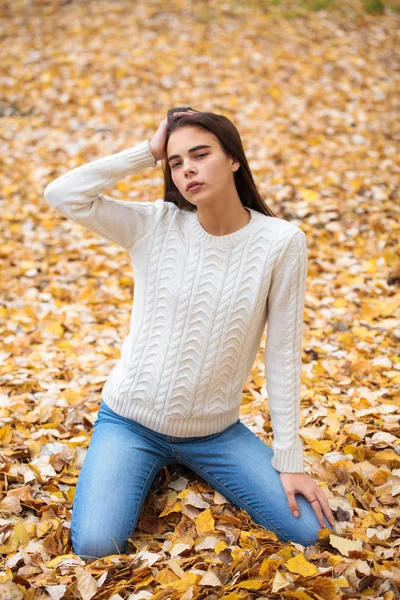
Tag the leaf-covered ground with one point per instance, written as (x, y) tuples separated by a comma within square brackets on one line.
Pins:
[(315, 96)]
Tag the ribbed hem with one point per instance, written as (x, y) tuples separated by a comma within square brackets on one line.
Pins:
[(140, 155), (159, 422), (289, 460)]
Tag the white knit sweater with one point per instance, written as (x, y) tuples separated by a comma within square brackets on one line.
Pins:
[(201, 304)]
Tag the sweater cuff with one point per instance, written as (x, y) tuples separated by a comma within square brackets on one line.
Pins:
[(289, 460), (141, 155)]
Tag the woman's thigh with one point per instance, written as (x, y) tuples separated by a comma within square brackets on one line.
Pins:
[(238, 464), (114, 480)]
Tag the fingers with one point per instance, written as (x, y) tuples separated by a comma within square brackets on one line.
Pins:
[(176, 114), (182, 113), (303, 484), (326, 508), (321, 504), (292, 502), (317, 509)]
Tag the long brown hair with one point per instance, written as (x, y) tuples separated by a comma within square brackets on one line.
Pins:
[(231, 143)]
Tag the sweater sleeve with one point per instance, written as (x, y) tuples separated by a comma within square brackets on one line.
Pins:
[(77, 195), (285, 308)]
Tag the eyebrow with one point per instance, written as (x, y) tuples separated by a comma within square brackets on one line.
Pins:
[(191, 150)]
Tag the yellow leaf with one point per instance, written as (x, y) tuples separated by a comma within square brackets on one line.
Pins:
[(340, 303), (50, 564), (184, 493), (166, 576), (356, 184), (55, 327), (308, 194), (122, 186), (357, 452), (73, 397), (251, 584), (125, 280), (335, 559), (175, 507), (185, 582), (285, 552), (320, 446), (6, 434), (205, 521), (237, 554), (70, 493), (219, 547), (314, 141), (297, 594), (6, 575), (269, 567), (247, 539), (298, 564), (344, 545), (316, 162), (232, 101), (371, 266), (20, 533), (65, 345), (341, 582), (144, 582), (275, 92), (385, 456)]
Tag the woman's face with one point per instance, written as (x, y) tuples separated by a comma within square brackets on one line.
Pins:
[(208, 165)]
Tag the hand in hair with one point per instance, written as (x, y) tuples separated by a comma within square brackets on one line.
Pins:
[(158, 142)]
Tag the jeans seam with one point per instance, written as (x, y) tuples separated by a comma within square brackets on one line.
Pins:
[(275, 529), (136, 514), (74, 505)]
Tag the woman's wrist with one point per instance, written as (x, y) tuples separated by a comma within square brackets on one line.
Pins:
[(154, 153)]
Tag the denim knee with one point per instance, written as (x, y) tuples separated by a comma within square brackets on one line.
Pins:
[(307, 538), (93, 545), (94, 549)]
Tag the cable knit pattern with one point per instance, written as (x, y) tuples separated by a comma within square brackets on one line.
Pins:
[(201, 305)]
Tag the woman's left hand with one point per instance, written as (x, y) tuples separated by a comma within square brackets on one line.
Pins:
[(304, 484)]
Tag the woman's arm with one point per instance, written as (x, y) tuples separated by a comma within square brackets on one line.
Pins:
[(285, 303), (78, 195)]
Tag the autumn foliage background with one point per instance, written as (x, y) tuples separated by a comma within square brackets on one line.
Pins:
[(313, 87)]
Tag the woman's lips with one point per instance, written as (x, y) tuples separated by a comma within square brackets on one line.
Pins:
[(194, 188)]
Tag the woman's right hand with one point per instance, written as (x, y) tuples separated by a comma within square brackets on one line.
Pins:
[(157, 144)]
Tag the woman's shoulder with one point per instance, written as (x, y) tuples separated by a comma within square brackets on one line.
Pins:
[(170, 211), (278, 227), (158, 207)]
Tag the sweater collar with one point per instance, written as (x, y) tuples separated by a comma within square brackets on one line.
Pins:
[(223, 241)]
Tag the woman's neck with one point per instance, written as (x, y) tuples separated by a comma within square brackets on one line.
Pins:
[(225, 221)]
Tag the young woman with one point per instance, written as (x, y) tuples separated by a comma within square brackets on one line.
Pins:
[(213, 265)]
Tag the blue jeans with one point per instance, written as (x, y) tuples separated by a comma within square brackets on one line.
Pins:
[(124, 457)]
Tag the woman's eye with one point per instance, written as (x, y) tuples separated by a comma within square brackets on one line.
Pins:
[(198, 156)]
